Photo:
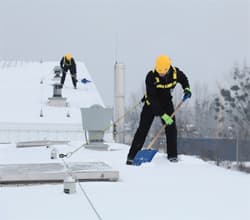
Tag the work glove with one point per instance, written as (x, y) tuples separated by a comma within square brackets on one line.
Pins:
[(167, 119), (187, 94)]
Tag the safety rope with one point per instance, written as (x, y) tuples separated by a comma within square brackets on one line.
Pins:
[(90, 202), (70, 173), (69, 154)]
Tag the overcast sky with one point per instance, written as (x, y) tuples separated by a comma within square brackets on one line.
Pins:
[(205, 38)]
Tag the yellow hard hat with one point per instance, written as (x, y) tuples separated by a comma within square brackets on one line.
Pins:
[(162, 64), (68, 56)]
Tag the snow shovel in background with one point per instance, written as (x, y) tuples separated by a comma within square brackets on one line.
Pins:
[(85, 81), (146, 155)]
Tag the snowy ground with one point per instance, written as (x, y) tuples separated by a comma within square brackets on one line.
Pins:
[(191, 189)]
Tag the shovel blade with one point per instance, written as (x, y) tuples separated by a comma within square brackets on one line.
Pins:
[(144, 156)]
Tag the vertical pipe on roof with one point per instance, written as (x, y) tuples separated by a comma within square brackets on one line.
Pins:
[(119, 102)]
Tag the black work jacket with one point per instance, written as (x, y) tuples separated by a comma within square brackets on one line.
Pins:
[(158, 89), (68, 64)]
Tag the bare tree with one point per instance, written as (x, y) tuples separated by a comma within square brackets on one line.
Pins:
[(236, 100)]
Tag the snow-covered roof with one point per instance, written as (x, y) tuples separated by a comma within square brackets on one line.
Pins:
[(188, 190), (22, 95)]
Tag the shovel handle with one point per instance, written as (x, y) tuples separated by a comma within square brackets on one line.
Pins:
[(163, 126)]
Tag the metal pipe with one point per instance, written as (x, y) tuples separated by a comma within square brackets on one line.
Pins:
[(119, 102)]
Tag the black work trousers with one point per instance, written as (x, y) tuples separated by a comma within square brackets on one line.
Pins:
[(73, 76), (146, 120)]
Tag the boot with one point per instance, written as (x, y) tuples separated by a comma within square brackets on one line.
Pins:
[(129, 161), (173, 159)]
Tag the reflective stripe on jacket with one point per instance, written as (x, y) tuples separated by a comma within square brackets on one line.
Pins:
[(158, 88)]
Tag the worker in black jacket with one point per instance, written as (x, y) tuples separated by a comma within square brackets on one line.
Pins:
[(68, 63), (158, 102)]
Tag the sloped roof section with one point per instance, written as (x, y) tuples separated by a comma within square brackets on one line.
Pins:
[(26, 86)]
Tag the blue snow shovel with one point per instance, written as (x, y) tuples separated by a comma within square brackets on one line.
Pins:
[(146, 155), (85, 81)]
